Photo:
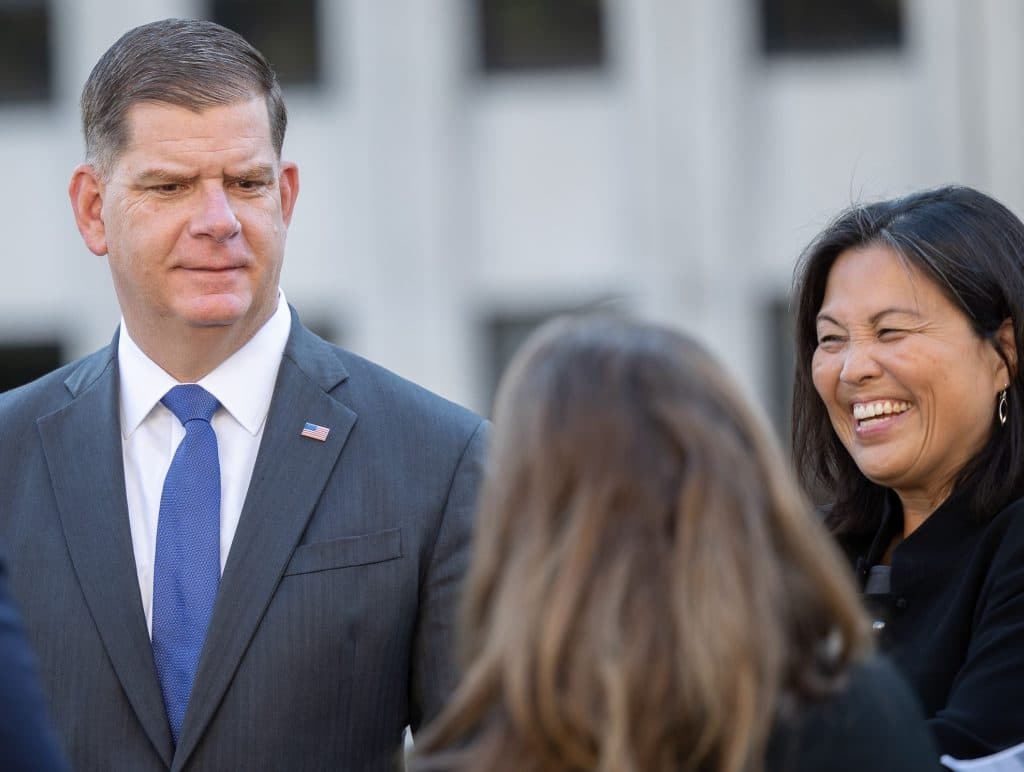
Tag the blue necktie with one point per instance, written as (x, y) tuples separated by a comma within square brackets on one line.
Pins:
[(187, 567)]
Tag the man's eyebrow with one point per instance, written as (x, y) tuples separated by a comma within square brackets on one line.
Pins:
[(254, 171), (160, 175), (157, 174)]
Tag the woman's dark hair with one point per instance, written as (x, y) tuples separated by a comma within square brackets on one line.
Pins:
[(972, 247), (648, 583)]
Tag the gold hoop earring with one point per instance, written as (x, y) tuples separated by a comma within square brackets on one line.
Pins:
[(1004, 408)]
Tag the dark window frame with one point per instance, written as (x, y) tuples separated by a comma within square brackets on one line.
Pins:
[(295, 65), (26, 52), (23, 362), (801, 27), (541, 36), (779, 362)]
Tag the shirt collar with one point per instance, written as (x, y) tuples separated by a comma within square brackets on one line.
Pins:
[(243, 383)]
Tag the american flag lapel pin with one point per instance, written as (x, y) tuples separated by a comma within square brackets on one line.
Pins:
[(315, 432)]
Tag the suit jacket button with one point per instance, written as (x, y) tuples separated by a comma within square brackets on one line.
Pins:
[(878, 625), (901, 603)]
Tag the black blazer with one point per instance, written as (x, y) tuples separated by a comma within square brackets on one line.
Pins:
[(873, 724), (954, 620)]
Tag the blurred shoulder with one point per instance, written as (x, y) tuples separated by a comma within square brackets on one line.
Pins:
[(873, 722)]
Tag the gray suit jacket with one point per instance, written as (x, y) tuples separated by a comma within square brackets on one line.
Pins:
[(333, 624)]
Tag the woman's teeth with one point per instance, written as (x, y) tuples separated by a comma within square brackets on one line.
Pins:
[(865, 411)]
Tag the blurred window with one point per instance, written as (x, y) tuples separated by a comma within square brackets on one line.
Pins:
[(537, 35), (285, 31), (781, 360), (822, 26), (25, 59), (24, 362), (505, 334)]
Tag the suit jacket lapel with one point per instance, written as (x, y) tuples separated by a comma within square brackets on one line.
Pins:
[(82, 443), (289, 475)]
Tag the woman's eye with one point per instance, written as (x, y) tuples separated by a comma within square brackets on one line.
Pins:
[(890, 333), (829, 340)]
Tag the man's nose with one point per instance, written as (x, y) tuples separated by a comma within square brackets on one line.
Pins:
[(215, 218), (859, 363)]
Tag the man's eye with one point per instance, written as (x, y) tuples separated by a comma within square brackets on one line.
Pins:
[(250, 184)]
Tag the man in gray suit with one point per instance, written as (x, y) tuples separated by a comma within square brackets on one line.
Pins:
[(236, 546)]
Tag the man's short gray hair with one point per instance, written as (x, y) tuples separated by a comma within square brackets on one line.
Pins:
[(182, 62)]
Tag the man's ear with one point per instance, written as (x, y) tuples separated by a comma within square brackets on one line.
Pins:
[(288, 187), (86, 192), (1005, 340)]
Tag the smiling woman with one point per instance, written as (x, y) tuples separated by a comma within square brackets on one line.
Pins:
[(909, 418)]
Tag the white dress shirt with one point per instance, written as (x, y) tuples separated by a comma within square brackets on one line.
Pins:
[(150, 433)]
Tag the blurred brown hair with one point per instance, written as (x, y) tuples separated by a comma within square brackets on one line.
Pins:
[(648, 585)]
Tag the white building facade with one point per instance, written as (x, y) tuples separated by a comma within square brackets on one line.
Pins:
[(675, 167)]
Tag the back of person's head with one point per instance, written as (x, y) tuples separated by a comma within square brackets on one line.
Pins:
[(972, 248), (182, 62), (648, 586)]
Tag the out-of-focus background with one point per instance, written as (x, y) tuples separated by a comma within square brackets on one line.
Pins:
[(470, 167)]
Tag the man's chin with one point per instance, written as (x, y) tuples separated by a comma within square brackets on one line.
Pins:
[(217, 311), (229, 315), (213, 320)]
